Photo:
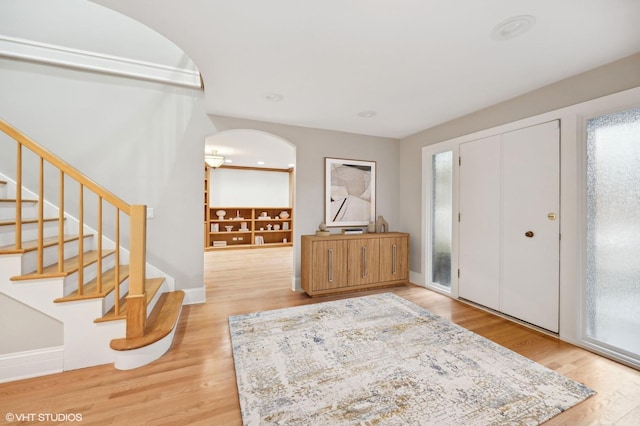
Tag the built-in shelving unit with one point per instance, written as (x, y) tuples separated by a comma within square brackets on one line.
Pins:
[(249, 227)]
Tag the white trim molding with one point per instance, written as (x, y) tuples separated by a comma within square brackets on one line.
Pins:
[(27, 364), (50, 54), (194, 296)]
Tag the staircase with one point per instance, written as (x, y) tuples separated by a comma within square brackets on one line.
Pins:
[(56, 264)]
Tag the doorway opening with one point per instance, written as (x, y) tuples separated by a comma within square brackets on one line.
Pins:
[(249, 199)]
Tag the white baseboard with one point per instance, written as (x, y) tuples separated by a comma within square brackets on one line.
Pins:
[(193, 296), (416, 278), (27, 364)]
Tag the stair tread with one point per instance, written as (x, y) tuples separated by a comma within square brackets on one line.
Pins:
[(160, 323), (90, 290), (152, 285), (13, 222), (33, 244), (70, 266)]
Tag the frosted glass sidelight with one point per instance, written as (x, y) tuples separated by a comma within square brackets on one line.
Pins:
[(441, 212), (613, 232)]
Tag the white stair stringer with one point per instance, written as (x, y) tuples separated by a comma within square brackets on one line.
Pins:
[(134, 358), (85, 343)]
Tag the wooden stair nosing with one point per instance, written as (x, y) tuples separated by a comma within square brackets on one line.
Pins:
[(27, 221), (70, 266), (160, 323), (90, 289), (152, 285), (32, 245)]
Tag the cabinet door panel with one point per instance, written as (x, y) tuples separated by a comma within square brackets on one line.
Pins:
[(363, 262), (394, 258), (329, 260)]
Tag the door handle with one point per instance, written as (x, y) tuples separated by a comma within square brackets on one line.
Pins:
[(529, 234), (364, 262)]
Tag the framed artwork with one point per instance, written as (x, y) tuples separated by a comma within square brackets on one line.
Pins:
[(349, 192)]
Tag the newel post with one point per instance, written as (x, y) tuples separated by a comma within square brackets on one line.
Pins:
[(136, 300)]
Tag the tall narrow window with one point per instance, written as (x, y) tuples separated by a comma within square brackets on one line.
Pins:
[(613, 232), (441, 212)]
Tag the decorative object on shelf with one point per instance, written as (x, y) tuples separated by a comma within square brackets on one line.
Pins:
[(371, 227), (284, 215), (352, 231), (221, 214), (382, 225), (284, 240), (259, 240), (322, 230), (258, 221), (350, 192)]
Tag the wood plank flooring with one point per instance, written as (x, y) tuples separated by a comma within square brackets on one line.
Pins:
[(195, 382)]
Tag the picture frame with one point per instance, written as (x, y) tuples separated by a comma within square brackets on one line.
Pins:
[(350, 192)]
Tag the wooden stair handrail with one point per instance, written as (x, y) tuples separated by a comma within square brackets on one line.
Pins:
[(136, 317), (69, 170)]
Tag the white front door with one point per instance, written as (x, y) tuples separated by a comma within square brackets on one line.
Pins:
[(480, 221), (509, 228)]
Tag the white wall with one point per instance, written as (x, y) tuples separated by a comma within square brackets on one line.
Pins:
[(611, 78), (16, 335), (140, 140), (248, 188), (82, 25), (312, 146)]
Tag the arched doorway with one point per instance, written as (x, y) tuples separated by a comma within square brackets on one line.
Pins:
[(249, 198)]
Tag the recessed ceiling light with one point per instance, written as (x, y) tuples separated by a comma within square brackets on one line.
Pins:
[(260, 163), (367, 114), (228, 160), (291, 165), (513, 27), (273, 97)]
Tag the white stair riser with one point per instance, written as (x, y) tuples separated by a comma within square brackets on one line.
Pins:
[(163, 289), (8, 210), (89, 273), (29, 232), (50, 256), (109, 301)]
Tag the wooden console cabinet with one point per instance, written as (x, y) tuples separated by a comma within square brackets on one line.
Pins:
[(340, 263)]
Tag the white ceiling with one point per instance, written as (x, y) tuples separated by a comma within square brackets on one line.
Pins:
[(417, 63), (251, 148)]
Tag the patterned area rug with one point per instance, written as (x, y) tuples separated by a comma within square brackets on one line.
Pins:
[(383, 360)]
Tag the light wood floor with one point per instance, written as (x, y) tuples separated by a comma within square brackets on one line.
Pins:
[(194, 383)]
